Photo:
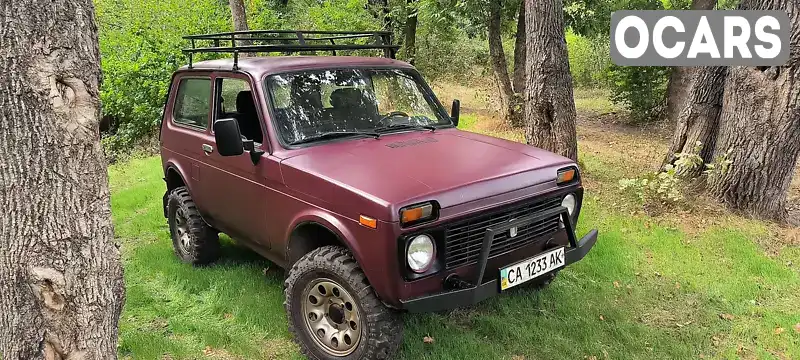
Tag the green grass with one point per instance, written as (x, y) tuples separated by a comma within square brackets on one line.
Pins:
[(646, 291)]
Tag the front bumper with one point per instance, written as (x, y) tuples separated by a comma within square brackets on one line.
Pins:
[(470, 293)]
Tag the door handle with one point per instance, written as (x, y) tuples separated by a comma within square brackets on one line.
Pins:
[(208, 149)]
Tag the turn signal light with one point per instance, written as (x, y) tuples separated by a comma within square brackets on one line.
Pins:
[(566, 176), (368, 222), (416, 213)]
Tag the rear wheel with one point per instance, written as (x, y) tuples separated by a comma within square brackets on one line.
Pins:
[(333, 311), (193, 240)]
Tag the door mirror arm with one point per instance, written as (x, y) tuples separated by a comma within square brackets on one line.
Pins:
[(250, 146)]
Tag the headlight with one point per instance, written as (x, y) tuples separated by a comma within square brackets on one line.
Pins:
[(569, 203), (420, 253)]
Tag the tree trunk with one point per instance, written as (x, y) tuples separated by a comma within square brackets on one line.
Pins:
[(550, 106), (239, 16), (681, 78), (699, 119), (61, 287), (410, 43), (760, 123), (519, 52), (510, 104), (380, 10)]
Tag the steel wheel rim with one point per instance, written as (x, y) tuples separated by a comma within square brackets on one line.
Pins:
[(332, 317), (182, 231)]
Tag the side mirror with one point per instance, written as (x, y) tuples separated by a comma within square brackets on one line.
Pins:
[(228, 137), (455, 112)]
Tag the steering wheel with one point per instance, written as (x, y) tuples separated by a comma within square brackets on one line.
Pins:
[(384, 120)]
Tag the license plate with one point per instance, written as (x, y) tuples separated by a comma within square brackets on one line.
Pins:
[(532, 268)]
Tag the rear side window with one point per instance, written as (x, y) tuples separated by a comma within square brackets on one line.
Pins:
[(192, 103)]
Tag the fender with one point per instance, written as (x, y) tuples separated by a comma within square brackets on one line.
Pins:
[(171, 165), (330, 222)]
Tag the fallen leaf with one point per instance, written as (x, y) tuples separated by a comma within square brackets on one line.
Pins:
[(797, 327), (677, 285), (616, 284), (726, 316), (778, 330), (227, 315), (602, 318), (428, 340)]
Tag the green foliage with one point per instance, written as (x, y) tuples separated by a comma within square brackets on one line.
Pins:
[(140, 45), (640, 89), (589, 60), (672, 185)]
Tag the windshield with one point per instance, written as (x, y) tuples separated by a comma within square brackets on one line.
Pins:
[(309, 105)]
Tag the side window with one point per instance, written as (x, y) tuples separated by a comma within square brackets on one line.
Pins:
[(232, 90), (192, 102), (235, 100)]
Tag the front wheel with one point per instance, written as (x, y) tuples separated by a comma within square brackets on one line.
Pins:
[(333, 311)]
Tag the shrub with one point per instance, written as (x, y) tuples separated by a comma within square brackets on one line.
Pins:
[(672, 185), (640, 89), (589, 59)]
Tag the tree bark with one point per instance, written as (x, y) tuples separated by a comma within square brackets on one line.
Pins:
[(510, 104), (681, 78), (699, 119), (519, 52), (61, 287), (239, 16), (550, 105), (410, 43), (760, 123)]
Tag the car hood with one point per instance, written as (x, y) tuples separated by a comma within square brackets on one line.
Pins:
[(450, 166)]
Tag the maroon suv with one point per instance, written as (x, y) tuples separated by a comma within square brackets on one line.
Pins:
[(349, 173)]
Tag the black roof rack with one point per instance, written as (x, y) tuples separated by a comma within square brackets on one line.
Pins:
[(288, 41)]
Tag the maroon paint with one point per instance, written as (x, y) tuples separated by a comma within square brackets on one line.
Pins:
[(334, 183)]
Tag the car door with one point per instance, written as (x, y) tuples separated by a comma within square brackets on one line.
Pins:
[(233, 187), (187, 127)]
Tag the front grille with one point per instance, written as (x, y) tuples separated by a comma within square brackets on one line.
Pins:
[(463, 239)]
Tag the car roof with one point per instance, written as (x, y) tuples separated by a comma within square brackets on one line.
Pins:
[(260, 65)]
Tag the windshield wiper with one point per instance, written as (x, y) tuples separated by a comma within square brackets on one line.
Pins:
[(405, 126), (334, 135)]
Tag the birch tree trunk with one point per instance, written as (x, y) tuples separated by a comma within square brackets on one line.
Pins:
[(61, 287), (699, 119), (549, 102), (761, 124)]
